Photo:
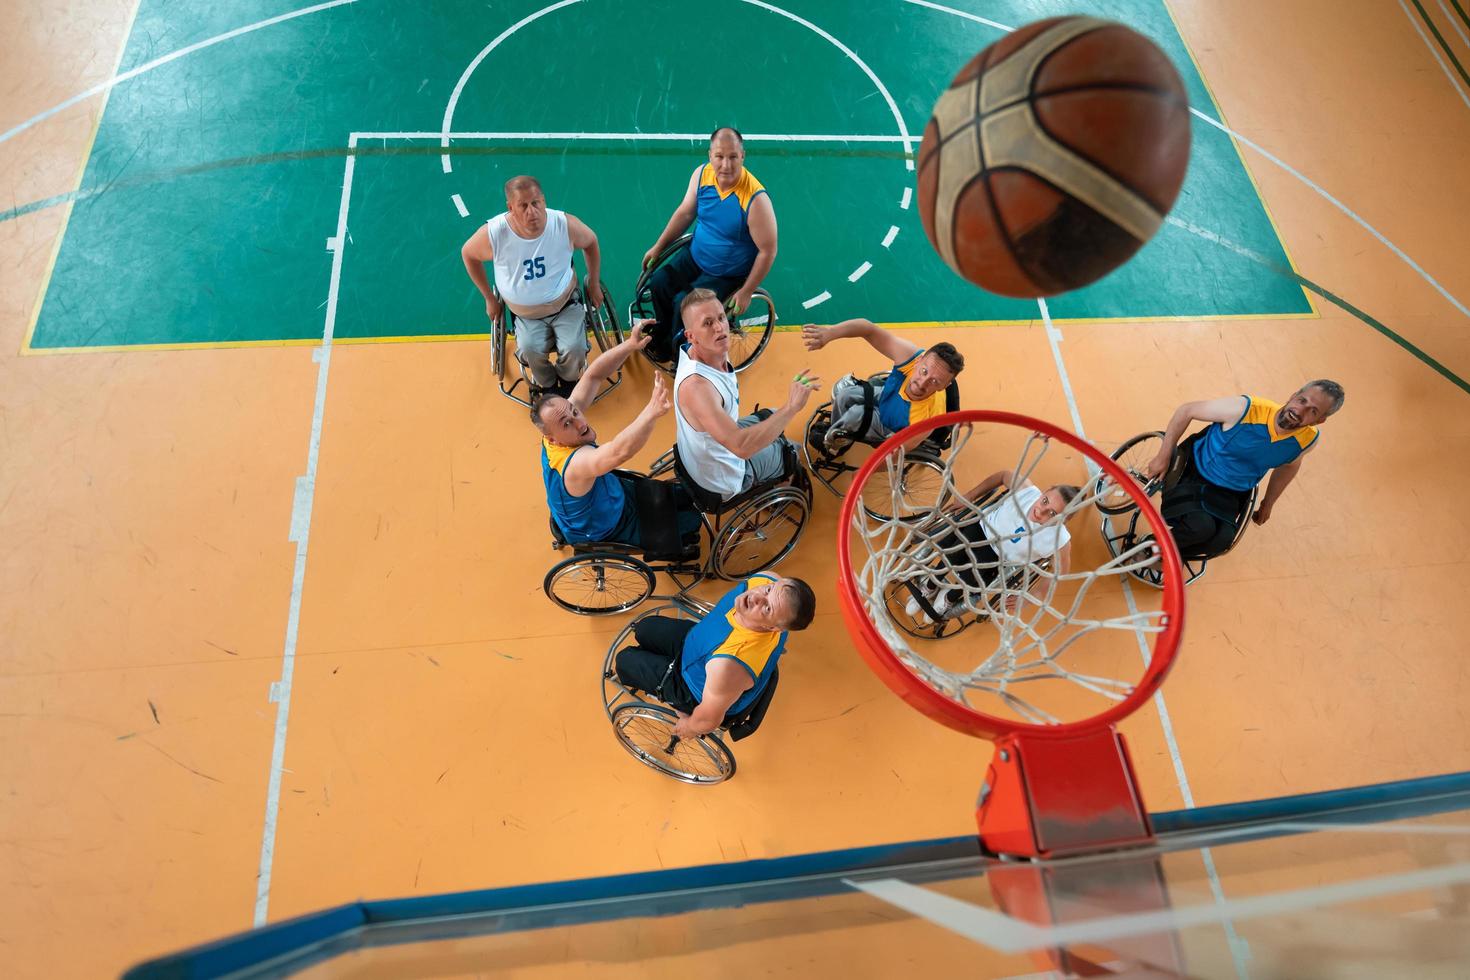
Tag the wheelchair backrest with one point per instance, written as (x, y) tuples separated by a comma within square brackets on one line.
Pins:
[(745, 726)]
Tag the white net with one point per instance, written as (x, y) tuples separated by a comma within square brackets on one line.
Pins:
[(1058, 636)]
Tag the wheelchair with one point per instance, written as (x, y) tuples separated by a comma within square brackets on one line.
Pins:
[(645, 728), (749, 333), (921, 482), (748, 533), (898, 593), (603, 330), (1120, 529)]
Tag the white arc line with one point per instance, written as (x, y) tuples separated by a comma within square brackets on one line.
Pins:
[(892, 234), (1454, 23), (159, 62), (908, 195), (821, 297), (859, 272), (960, 13), (301, 534), (1435, 53), (464, 212)]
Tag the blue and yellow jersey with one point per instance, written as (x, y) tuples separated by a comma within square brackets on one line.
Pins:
[(590, 517), (895, 409), (1238, 457), (722, 244), (719, 635)]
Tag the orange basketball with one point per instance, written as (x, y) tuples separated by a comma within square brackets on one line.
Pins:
[(1053, 156)]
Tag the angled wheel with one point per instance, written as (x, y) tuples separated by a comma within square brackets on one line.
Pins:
[(751, 331), (598, 584), (909, 492), (603, 323), (1132, 456), (497, 349), (760, 533), (897, 597), (646, 731)]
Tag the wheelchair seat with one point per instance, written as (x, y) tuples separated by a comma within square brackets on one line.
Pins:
[(710, 502)]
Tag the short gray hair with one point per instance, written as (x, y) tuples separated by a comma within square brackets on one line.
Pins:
[(1331, 389), (523, 183)]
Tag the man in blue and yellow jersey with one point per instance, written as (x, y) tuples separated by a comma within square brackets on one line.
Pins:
[(588, 501), (716, 668), (1220, 465), (920, 385), (734, 242)]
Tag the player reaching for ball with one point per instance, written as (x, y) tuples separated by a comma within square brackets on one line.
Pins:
[(920, 385)]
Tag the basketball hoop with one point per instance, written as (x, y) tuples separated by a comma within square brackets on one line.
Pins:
[(999, 641)]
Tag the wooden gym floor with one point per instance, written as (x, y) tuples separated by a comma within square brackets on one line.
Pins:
[(164, 627)]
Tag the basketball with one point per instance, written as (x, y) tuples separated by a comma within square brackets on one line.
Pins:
[(1053, 156)]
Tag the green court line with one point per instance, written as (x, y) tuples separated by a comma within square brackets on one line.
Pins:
[(435, 150), (1449, 52), (1461, 11)]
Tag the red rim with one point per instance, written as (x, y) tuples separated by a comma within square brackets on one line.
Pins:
[(963, 718)]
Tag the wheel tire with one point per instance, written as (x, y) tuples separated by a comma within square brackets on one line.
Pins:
[(644, 731), (577, 583), (787, 505), (1119, 502)]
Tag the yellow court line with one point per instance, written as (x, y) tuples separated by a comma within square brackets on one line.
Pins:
[(25, 344), (1270, 218)]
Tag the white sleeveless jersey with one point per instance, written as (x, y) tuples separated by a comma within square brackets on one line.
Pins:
[(710, 464), (534, 271), (1014, 536)]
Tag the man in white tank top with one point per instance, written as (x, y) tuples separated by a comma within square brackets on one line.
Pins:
[(531, 247), (723, 452)]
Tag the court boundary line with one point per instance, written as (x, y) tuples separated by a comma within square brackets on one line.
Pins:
[(300, 532), (1418, 29)]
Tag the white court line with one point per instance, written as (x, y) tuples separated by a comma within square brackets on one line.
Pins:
[(1269, 156), (301, 534), (656, 137), (821, 297), (1419, 29), (159, 62), (1455, 23), (892, 234), (859, 272), (960, 13), (1008, 935), (464, 212), (908, 195), (465, 77), (1238, 951)]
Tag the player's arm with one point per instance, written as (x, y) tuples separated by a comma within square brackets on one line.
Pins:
[(761, 222), (724, 682), (1222, 410), (595, 461), (603, 366), (679, 221), (584, 238), (885, 342), (985, 486), (701, 407), (1281, 477), (476, 252)]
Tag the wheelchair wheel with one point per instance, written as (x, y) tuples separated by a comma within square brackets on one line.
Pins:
[(751, 331), (598, 584), (1133, 455), (603, 324), (896, 598), (760, 533), (646, 732), (919, 490), (497, 347)]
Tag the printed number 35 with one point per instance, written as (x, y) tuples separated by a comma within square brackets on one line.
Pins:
[(536, 271)]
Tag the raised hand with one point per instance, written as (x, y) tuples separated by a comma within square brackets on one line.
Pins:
[(813, 336), (802, 387), (658, 402), (637, 339)]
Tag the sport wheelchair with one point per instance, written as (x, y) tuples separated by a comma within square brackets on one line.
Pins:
[(1120, 530), (645, 728), (602, 327), (749, 533), (750, 332), (921, 480)]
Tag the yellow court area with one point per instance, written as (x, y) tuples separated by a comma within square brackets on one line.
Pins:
[(442, 731)]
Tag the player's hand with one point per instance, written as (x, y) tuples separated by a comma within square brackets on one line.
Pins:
[(802, 388), (739, 301), (637, 338), (1155, 467), (813, 336), (649, 257), (492, 309), (594, 295), (658, 402), (1262, 514), (684, 727)]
